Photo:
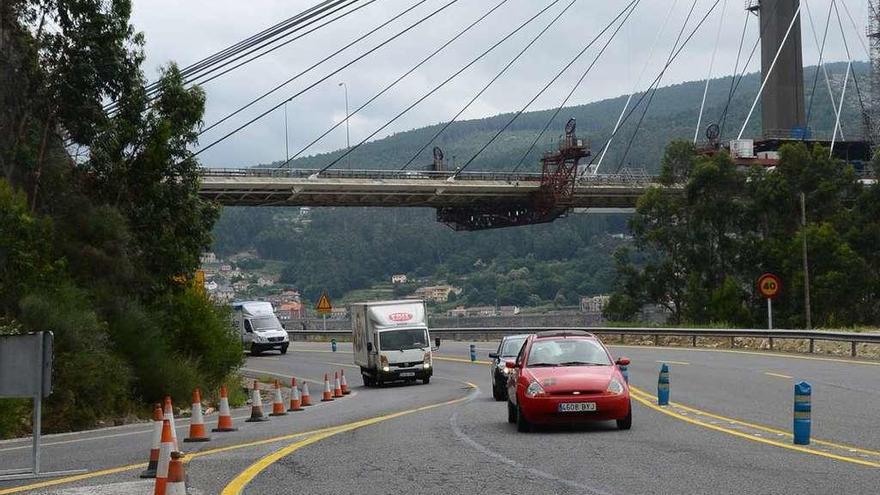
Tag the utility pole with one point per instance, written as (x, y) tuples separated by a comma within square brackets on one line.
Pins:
[(347, 130), (286, 137), (806, 263)]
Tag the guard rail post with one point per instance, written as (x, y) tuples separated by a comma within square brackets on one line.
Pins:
[(802, 413), (473, 349)]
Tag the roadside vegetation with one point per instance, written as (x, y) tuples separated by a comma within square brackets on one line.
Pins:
[(100, 223), (700, 253)]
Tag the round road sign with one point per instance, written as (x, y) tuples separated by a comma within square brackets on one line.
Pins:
[(769, 285)]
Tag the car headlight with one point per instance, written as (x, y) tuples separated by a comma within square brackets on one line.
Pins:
[(386, 369), (615, 387), (427, 360), (535, 389), (258, 338)]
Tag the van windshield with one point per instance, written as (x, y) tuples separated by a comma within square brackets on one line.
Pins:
[(265, 323), (408, 338)]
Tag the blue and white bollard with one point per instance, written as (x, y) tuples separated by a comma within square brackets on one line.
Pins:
[(624, 370), (802, 410), (333, 344), (663, 386), (473, 353)]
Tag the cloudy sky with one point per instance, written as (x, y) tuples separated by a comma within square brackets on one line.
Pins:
[(187, 31)]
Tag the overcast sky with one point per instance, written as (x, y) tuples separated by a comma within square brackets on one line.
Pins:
[(186, 31)]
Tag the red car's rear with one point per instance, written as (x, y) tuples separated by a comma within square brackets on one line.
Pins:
[(567, 377)]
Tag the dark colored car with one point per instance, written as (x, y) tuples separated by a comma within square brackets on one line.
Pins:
[(507, 351)]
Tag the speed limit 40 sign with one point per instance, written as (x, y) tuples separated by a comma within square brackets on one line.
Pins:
[(769, 285)]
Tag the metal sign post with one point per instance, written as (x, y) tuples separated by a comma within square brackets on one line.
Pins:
[(769, 314), (23, 357), (769, 286)]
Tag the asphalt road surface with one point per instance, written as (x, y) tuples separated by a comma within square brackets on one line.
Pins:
[(726, 433)]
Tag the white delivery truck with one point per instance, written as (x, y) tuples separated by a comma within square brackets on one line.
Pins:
[(391, 341), (258, 327)]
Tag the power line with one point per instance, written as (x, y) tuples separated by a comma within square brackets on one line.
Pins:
[(492, 81), (388, 87), (437, 88), (311, 67), (546, 87), (573, 89), (328, 76)]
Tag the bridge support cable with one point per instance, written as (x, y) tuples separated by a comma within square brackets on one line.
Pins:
[(865, 115), (491, 82), (627, 9), (438, 87), (794, 19), (328, 76), (738, 75), (656, 86), (821, 64), (711, 67), (638, 82), (837, 118), (396, 81), (311, 67), (571, 93), (663, 70), (272, 35)]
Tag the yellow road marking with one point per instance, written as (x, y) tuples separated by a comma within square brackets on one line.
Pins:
[(767, 429), (682, 363), (806, 450), (238, 484), (778, 375), (460, 360), (753, 353)]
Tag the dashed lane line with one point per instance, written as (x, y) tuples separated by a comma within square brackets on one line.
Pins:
[(680, 363), (237, 485), (778, 375)]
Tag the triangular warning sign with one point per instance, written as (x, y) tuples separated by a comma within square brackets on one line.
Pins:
[(324, 305)]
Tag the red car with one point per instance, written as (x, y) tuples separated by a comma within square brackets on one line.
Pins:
[(566, 377)]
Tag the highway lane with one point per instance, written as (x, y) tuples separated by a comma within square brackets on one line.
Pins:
[(469, 446)]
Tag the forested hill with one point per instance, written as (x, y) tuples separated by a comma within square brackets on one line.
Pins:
[(347, 249), (672, 115)]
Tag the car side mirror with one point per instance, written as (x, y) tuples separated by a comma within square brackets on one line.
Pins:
[(623, 361), (369, 347), (509, 365), (493, 355), (437, 342)]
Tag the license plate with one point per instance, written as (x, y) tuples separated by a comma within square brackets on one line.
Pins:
[(408, 374), (577, 407)]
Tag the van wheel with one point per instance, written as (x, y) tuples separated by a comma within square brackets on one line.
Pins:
[(368, 382), (284, 349), (426, 380), (498, 393), (256, 351)]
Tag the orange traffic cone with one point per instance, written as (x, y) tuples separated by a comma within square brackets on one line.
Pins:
[(306, 398), (167, 446), (337, 386), (197, 421), (224, 422), (278, 402), (345, 389), (176, 476), (169, 415), (328, 394), (256, 405), (158, 417), (295, 400)]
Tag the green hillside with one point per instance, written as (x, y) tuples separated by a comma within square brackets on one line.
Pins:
[(349, 249)]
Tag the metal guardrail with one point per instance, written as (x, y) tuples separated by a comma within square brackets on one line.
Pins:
[(656, 333)]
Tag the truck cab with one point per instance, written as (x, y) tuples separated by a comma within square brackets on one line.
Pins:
[(392, 342), (258, 327)]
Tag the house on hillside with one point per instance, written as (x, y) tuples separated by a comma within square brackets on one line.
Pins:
[(265, 282), (594, 305), (398, 279), (208, 258), (289, 311), (436, 293)]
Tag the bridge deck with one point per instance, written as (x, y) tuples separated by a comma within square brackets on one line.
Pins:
[(405, 189)]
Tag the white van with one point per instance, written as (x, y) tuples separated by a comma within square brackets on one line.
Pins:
[(258, 327), (391, 341)]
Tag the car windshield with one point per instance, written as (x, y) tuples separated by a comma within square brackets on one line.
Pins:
[(409, 338), (265, 323), (511, 347), (567, 352)]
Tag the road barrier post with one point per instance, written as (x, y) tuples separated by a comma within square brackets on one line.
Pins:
[(333, 344), (624, 370), (802, 412), (473, 352), (663, 386)]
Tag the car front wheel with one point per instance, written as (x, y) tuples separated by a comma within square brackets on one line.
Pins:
[(522, 424), (498, 393), (284, 349), (626, 422), (511, 413)]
